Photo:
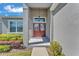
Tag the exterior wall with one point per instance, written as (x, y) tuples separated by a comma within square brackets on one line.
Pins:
[(36, 12), (66, 28), (5, 26)]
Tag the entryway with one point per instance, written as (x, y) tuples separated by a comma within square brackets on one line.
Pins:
[(39, 27), (39, 37)]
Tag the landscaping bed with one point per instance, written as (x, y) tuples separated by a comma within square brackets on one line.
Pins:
[(18, 52), (15, 40), (12, 45)]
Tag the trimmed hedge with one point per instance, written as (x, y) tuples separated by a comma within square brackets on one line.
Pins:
[(5, 48), (11, 37)]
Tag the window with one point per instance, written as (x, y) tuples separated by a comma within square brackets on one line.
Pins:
[(16, 25), (39, 20), (12, 26), (19, 26)]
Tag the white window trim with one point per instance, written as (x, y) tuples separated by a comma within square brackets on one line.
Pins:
[(16, 25)]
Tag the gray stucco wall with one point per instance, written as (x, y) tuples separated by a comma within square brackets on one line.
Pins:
[(66, 28), (5, 26)]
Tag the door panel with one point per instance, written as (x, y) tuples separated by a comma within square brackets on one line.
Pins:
[(42, 29), (39, 30)]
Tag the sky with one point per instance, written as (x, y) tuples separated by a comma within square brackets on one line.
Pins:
[(11, 9)]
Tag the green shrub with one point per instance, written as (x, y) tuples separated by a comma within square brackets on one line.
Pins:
[(56, 48), (5, 48), (9, 37), (3, 37), (19, 37)]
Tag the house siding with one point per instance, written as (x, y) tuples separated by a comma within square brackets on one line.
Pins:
[(66, 29)]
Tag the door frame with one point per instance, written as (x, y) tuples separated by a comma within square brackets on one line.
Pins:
[(39, 22)]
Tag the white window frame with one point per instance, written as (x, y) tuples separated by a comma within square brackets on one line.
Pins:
[(16, 26)]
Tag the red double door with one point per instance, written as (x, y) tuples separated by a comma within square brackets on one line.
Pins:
[(39, 29)]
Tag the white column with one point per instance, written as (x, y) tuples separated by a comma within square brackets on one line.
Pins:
[(25, 27)]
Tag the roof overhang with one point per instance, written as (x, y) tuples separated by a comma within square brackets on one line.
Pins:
[(39, 5)]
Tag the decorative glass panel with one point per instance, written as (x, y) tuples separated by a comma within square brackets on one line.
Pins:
[(39, 20), (42, 27), (36, 27)]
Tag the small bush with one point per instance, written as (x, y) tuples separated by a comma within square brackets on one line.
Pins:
[(56, 48), (5, 48)]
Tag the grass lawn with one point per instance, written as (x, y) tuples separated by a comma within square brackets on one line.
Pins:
[(18, 52)]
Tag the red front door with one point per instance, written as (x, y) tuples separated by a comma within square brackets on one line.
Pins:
[(39, 29)]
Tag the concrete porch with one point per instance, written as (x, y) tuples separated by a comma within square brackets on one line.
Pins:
[(39, 41)]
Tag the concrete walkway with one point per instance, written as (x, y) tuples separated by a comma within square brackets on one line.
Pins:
[(39, 51)]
